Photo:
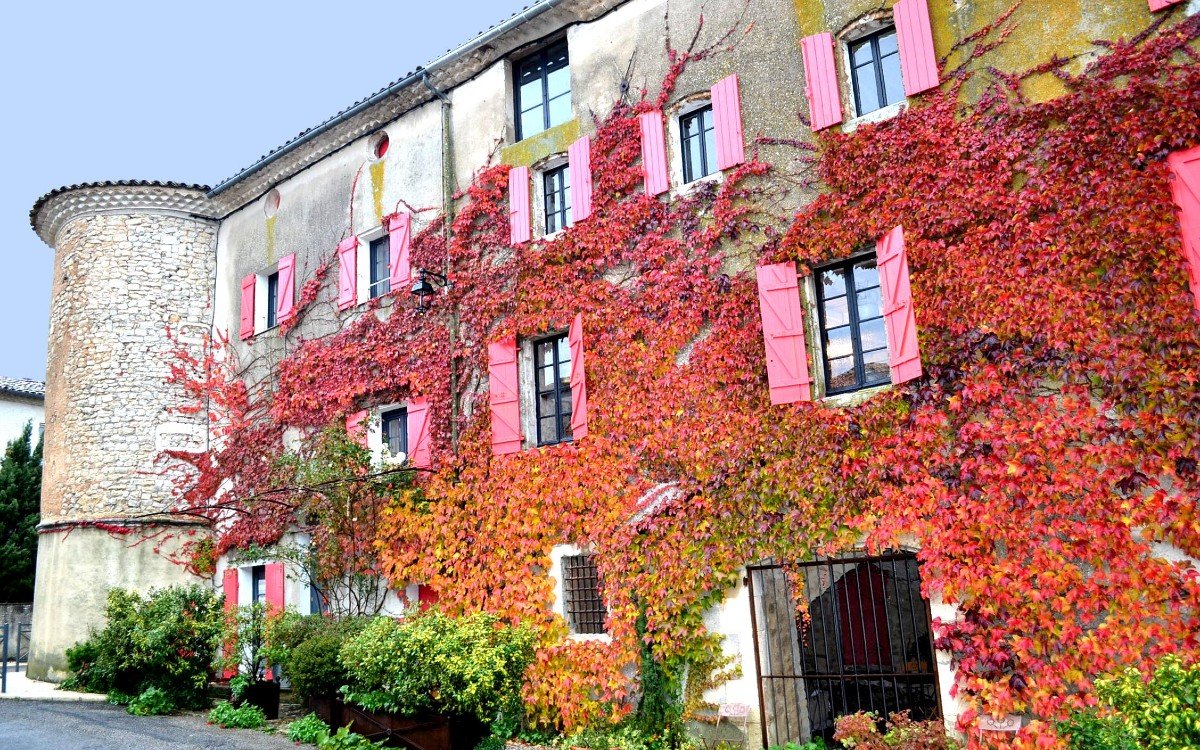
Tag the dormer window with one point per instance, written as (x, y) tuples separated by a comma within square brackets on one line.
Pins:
[(543, 90)]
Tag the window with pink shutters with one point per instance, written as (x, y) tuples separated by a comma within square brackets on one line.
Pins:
[(399, 227), (520, 213), (654, 153), (286, 303), (918, 60), (275, 585), (904, 356), (1185, 186), (347, 254), (1162, 4), (580, 156), (821, 81), (229, 586), (504, 397), (420, 446), (247, 317), (783, 333), (356, 427), (579, 403), (727, 116)]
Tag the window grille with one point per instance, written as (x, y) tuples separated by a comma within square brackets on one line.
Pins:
[(557, 193), (698, 139), (543, 96), (585, 609), (552, 373), (875, 71), (381, 274), (395, 431), (853, 334), (273, 300)]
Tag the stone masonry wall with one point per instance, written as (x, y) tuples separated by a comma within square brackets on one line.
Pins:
[(120, 281)]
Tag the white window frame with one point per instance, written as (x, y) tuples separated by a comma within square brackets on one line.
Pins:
[(855, 32), (539, 194), (375, 444), (260, 299), (675, 146), (558, 603)]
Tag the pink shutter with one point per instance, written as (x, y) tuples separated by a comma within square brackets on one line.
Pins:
[(519, 213), (285, 307), (783, 333), (247, 329), (904, 356), (356, 427), (654, 153), (727, 122), (420, 451), (347, 254), (918, 60), (820, 81), (579, 403), (1162, 4), (1185, 185), (505, 404), (580, 156), (229, 585), (399, 227), (275, 580)]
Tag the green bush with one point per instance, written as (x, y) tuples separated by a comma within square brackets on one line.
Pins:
[(344, 739), (245, 716), (166, 641), (1160, 714), (626, 736), (470, 666), (306, 649), (308, 730), (153, 701)]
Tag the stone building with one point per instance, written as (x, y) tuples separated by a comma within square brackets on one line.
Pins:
[(142, 268)]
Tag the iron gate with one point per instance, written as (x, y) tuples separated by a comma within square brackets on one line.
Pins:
[(864, 644)]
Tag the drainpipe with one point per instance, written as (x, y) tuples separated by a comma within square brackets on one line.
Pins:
[(448, 212)]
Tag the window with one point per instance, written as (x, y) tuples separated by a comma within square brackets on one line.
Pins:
[(258, 584), (543, 83), (557, 194), (273, 300), (552, 373), (875, 71), (699, 144), (853, 334), (316, 601), (381, 274), (395, 431), (585, 610)]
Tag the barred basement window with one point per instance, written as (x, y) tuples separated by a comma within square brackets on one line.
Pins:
[(273, 300), (552, 374), (854, 339), (557, 192), (698, 137), (381, 275), (585, 609)]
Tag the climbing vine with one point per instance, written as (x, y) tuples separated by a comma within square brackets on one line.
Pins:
[(1040, 467)]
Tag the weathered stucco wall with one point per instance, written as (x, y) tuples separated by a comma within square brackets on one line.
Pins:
[(15, 413)]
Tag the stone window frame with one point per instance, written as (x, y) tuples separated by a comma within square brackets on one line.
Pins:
[(863, 26), (538, 193), (558, 602), (674, 117)]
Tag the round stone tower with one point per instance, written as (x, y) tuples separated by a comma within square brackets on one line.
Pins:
[(132, 261)]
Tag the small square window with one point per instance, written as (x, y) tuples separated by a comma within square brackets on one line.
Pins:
[(698, 143), (585, 611), (875, 71), (273, 300), (853, 335), (543, 90), (395, 431), (557, 198), (381, 274), (552, 378)]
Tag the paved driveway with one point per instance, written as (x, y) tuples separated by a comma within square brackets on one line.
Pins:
[(37, 725)]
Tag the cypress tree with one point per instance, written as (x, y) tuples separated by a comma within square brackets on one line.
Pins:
[(20, 495)]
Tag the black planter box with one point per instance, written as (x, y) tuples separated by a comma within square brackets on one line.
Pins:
[(265, 695), (429, 732)]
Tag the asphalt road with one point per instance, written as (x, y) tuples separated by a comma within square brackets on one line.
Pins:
[(35, 725)]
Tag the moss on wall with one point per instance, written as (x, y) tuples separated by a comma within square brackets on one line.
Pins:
[(533, 149)]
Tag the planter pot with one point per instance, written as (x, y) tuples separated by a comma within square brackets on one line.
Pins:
[(265, 695), (428, 732)]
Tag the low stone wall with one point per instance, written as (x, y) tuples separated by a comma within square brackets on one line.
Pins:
[(16, 614)]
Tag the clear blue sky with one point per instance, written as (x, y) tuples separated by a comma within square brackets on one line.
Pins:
[(183, 91)]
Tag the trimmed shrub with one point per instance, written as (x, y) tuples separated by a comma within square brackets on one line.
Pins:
[(153, 701), (308, 730), (306, 648)]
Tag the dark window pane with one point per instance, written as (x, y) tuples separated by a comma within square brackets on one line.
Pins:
[(543, 90), (875, 367), (893, 84), (395, 431), (381, 282), (855, 336), (841, 373), (552, 364), (272, 299), (875, 72), (699, 144)]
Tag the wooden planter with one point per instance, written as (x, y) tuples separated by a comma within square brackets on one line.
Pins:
[(429, 732), (265, 695)]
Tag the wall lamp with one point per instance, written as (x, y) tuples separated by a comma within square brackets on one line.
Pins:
[(423, 288)]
